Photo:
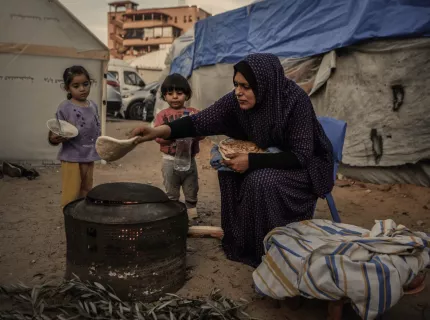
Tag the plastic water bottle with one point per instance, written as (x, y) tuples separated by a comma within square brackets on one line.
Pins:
[(183, 151)]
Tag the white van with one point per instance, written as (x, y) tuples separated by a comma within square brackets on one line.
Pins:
[(128, 77)]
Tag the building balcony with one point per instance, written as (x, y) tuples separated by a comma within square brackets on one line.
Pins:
[(114, 54), (118, 23), (150, 41), (116, 38), (144, 24)]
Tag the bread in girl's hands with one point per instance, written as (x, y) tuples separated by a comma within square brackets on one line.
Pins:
[(62, 128)]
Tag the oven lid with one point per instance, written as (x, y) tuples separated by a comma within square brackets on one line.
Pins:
[(126, 193), (125, 203)]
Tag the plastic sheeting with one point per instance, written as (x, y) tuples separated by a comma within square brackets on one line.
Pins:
[(300, 28), (381, 90), (182, 54)]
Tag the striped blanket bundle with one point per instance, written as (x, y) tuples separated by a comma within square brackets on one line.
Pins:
[(325, 260)]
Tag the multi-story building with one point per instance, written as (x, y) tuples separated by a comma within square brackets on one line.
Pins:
[(134, 32)]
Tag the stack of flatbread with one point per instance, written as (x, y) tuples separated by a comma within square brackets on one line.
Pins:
[(230, 146)]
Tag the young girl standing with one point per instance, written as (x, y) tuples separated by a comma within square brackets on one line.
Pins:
[(77, 155)]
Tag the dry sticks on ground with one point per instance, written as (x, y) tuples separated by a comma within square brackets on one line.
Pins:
[(75, 299)]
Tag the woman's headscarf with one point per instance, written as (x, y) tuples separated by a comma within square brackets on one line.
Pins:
[(275, 96)]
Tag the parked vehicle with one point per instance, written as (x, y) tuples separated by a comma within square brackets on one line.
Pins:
[(113, 96), (139, 105), (126, 75)]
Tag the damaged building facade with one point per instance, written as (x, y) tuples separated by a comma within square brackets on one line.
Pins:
[(134, 32)]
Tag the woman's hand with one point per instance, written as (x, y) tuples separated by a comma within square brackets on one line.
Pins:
[(147, 133), (238, 162)]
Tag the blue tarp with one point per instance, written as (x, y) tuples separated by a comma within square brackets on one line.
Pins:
[(183, 63), (300, 28)]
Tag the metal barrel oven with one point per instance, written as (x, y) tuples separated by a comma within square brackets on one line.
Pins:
[(130, 236)]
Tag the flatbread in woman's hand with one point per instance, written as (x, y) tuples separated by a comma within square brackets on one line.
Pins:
[(230, 146), (111, 149)]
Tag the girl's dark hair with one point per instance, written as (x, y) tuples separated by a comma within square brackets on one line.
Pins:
[(178, 83), (72, 72)]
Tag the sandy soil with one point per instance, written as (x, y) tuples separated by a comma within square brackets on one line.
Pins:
[(32, 239)]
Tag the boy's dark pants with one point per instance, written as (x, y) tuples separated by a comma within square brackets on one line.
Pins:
[(173, 180)]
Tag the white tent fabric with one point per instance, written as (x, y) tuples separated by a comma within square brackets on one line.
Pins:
[(39, 40)]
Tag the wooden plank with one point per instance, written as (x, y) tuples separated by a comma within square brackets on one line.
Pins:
[(39, 50), (205, 231)]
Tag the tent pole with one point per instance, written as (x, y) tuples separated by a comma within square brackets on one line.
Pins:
[(104, 99)]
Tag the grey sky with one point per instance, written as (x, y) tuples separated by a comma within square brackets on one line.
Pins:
[(93, 12)]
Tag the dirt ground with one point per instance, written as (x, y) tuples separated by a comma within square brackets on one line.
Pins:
[(32, 239)]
